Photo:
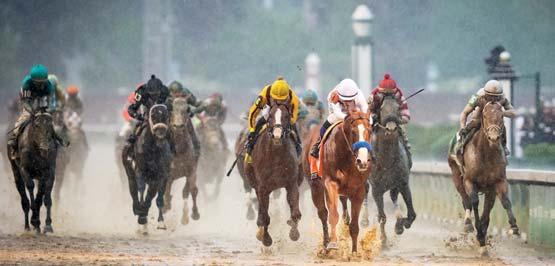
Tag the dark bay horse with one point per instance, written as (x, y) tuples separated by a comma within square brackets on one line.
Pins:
[(485, 171), (346, 163), (212, 151), (275, 165), (36, 161), (149, 165), (184, 163), (392, 168)]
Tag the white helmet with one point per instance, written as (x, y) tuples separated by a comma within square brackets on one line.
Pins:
[(347, 90), (493, 87)]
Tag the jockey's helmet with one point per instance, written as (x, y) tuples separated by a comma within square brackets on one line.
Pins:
[(279, 89), (310, 96), (39, 73), (347, 90), (72, 90), (493, 88), (387, 85), (175, 87)]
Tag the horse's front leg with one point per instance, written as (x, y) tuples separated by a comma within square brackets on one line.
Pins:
[(411, 214), (364, 210), (378, 198), (48, 202), (263, 220), (356, 204), (20, 185), (192, 184), (489, 201), (346, 218), (145, 205), (318, 193), (293, 201), (472, 191), (160, 203), (35, 218), (501, 189), (332, 198)]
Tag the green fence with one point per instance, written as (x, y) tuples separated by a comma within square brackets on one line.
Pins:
[(533, 205)]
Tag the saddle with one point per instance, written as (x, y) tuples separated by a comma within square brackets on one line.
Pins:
[(317, 162)]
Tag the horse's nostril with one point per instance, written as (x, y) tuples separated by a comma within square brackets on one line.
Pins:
[(359, 161)]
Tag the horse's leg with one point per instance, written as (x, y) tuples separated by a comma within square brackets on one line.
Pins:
[(501, 190), (333, 215), (20, 185), (167, 195), (346, 218), (364, 212), (160, 203), (192, 183), (472, 190), (459, 185), (378, 198), (293, 201), (133, 191), (48, 202), (356, 204), (394, 194), (185, 195), (145, 206), (411, 214), (35, 218), (489, 201), (263, 220), (318, 192)]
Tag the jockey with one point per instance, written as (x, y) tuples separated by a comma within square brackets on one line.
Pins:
[(345, 97), (177, 90), (214, 106), (310, 100), (388, 86), (278, 91), (36, 93), (491, 92), (73, 101), (147, 95), (57, 100)]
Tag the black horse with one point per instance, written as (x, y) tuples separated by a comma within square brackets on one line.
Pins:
[(36, 160), (392, 168), (148, 163)]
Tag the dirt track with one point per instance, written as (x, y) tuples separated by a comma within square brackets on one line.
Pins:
[(94, 225)]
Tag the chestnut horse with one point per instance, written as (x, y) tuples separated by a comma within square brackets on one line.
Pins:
[(275, 165), (345, 161), (485, 171)]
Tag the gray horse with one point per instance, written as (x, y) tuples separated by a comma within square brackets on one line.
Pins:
[(36, 161), (392, 167)]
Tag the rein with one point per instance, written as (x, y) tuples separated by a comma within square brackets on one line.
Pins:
[(359, 144)]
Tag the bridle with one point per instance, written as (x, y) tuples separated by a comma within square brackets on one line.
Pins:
[(354, 146)]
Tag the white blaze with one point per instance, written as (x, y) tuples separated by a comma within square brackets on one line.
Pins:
[(362, 152), (277, 130)]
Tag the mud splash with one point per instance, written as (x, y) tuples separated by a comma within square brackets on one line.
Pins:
[(369, 246)]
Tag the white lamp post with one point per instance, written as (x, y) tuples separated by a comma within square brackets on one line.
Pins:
[(504, 73), (361, 51), (312, 72)]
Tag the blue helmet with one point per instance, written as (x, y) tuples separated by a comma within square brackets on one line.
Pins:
[(310, 96), (39, 73)]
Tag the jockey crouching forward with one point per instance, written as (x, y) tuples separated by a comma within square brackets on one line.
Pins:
[(279, 92), (215, 106), (37, 93), (343, 99), (491, 92), (178, 90)]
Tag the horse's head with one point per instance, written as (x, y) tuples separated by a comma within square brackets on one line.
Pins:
[(158, 121), (390, 117), (492, 121), (357, 130), (72, 120), (42, 129), (180, 116), (279, 121)]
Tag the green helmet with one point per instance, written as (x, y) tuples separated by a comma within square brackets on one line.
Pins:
[(175, 87), (39, 72), (310, 96)]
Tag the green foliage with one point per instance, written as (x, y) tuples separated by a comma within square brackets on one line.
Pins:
[(541, 153), (430, 142)]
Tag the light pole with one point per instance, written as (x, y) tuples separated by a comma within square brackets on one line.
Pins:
[(312, 72), (361, 51), (504, 73)]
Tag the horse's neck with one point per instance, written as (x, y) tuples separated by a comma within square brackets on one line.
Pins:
[(387, 146), (485, 153)]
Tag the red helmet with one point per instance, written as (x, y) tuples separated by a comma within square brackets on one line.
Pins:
[(387, 84), (72, 90)]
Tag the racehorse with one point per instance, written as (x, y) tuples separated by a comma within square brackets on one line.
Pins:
[(275, 165), (392, 168), (346, 163), (184, 163), (79, 148), (212, 151), (239, 152), (63, 158), (148, 163), (484, 171), (36, 161)]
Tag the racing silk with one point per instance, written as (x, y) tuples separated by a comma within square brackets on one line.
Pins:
[(375, 102), (478, 100), (213, 108), (143, 98), (33, 97), (338, 110), (263, 102)]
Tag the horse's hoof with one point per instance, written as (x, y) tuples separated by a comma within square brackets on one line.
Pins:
[(514, 231), (37, 230), (399, 226), (267, 240), (332, 245), (260, 233), (143, 230), (250, 213), (48, 229), (195, 215), (142, 220), (27, 228), (294, 234), (468, 227), (161, 226), (483, 251)]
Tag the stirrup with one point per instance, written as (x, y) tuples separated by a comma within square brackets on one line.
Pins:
[(248, 158), (314, 177)]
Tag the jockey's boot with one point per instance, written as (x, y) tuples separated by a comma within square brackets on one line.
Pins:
[(12, 144), (313, 169), (251, 139), (194, 139), (407, 146), (315, 151)]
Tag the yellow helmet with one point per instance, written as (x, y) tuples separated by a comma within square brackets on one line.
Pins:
[(280, 89)]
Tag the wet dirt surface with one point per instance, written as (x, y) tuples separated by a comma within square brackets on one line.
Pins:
[(93, 224)]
